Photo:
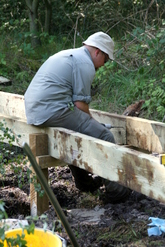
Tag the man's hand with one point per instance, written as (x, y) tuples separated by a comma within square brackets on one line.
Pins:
[(82, 106)]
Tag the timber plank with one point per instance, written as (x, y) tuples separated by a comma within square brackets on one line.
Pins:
[(21, 128), (12, 105), (145, 134), (115, 120), (39, 146), (138, 171), (45, 161), (141, 133)]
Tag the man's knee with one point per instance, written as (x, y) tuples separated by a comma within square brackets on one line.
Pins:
[(107, 135), (111, 138)]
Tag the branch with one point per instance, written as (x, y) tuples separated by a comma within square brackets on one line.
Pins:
[(146, 15), (29, 4)]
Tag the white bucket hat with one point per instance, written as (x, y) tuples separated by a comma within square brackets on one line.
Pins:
[(101, 41)]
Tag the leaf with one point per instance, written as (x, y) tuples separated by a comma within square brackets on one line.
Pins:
[(162, 41), (43, 216), (2, 233), (147, 102), (30, 229), (2, 206), (45, 226), (141, 71)]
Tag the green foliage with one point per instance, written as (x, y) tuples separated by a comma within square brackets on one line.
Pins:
[(156, 103), (137, 73), (18, 241), (3, 214), (136, 27)]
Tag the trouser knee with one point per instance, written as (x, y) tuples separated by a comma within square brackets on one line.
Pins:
[(107, 136)]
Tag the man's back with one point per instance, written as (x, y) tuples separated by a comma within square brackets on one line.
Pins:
[(63, 78)]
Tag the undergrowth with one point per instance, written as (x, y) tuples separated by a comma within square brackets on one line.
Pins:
[(137, 72)]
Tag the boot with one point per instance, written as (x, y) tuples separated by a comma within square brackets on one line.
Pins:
[(115, 192), (85, 181)]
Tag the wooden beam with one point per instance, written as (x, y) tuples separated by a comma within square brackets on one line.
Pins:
[(105, 159), (20, 128), (12, 105), (46, 161), (142, 133), (39, 146), (145, 134), (116, 121), (138, 171)]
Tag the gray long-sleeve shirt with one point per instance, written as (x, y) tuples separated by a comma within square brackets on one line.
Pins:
[(65, 77)]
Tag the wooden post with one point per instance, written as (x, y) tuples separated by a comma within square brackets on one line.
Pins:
[(39, 146)]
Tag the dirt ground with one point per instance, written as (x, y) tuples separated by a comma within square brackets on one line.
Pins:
[(94, 220)]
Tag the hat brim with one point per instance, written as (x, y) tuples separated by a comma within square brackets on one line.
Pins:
[(110, 55)]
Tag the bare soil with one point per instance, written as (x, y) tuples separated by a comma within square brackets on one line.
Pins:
[(94, 220)]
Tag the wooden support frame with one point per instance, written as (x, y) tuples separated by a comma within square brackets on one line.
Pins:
[(141, 133), (39, 146), (138, 170)]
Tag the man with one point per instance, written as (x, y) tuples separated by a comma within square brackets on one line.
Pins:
[(60, 93)]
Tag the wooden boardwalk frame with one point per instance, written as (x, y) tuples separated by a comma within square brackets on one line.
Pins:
[(130, 162)]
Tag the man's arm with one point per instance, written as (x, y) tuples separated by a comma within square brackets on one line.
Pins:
[(82, 106)]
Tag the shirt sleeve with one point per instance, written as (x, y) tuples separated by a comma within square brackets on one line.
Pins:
[(83, 75)]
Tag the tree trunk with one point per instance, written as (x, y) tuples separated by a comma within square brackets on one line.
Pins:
[(48, 15), (33, 12)]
